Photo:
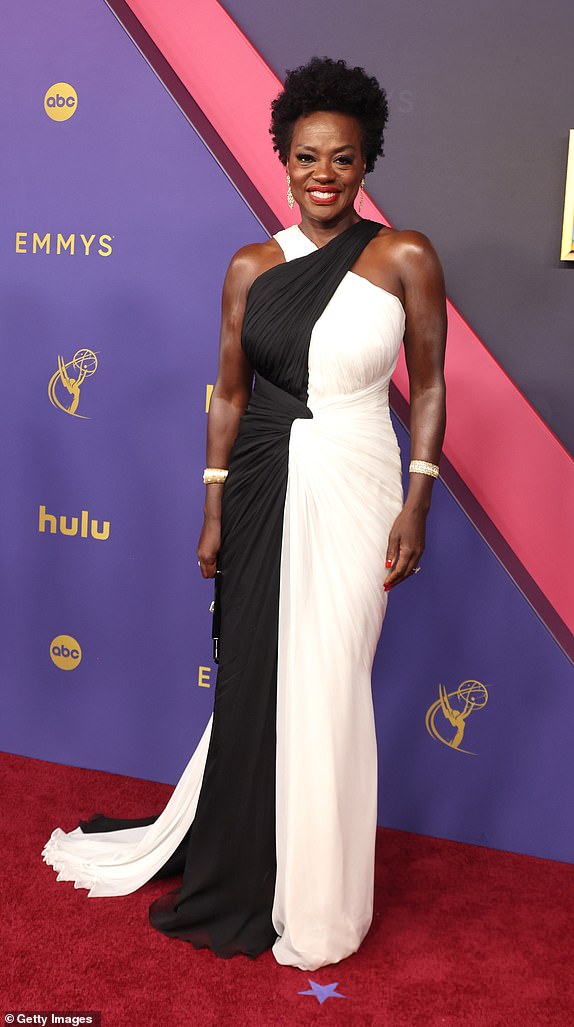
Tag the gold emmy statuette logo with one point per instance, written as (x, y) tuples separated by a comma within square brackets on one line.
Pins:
[(70, 377), (65, 652), (60, 101), (470, 696)]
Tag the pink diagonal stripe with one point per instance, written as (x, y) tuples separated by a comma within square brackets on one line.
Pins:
[(516, 468)]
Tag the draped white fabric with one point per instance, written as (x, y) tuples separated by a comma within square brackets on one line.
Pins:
[(119, 862), (343, 492)]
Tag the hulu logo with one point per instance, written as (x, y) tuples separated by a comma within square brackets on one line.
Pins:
[(84, 526)]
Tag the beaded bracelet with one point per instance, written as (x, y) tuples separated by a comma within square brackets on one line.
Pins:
[(214, 475), (423, 467)]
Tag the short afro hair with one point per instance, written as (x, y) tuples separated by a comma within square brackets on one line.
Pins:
[(327, 85)]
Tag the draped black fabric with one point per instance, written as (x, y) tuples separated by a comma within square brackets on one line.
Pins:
[(228, 853)]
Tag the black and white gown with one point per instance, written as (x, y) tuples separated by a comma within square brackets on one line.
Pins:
[(273, 820)]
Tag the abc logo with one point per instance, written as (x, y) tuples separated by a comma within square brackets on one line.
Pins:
[(66, 653), (60, 101)]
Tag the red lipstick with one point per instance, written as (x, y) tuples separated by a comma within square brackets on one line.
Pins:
[(323, 196)]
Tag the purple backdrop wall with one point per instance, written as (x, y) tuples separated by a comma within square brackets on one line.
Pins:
[(126, 165)]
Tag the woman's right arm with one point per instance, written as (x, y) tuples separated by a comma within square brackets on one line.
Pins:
[(229, 398)]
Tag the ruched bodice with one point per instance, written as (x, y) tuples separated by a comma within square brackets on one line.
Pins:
[(357, 339)]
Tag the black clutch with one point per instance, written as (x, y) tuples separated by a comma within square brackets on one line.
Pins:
[(216, 611)]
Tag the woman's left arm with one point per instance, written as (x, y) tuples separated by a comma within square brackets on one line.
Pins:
[(424, 340)]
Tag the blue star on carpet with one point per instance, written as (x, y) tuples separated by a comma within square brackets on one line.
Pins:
[(322, 991)]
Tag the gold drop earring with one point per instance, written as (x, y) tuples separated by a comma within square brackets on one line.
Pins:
[(361, 193), (290, 199)]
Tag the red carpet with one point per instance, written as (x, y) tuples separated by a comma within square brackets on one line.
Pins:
[(462, 935)]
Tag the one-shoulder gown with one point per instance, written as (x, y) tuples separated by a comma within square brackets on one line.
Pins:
[(273, 821)]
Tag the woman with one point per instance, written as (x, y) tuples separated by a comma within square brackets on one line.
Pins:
[(273, 821)]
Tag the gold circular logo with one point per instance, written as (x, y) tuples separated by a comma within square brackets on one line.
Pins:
[(66, 653), (60, 101)]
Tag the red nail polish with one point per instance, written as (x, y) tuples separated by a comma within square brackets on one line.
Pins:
[(389, 563)]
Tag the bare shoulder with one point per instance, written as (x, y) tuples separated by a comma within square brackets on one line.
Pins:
[(411, 253), (402, 262), (419, 272), (250, 261)]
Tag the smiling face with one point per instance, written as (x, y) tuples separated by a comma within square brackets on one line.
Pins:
[(326, 165)]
